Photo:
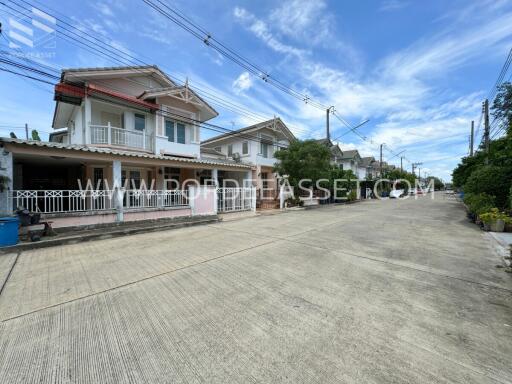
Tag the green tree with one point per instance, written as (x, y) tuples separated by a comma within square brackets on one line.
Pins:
[(304, 160), (502, 107), (35, 135), (492, 180), (438, 183), (397, 174)]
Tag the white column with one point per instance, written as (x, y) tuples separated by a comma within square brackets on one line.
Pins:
[(215, 200), (215, 177), (192, 199), (253, 199), (6, 170), (118, 189), (248, 179), (87, 120)]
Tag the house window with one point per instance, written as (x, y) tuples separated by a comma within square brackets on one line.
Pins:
[(230, 149), (140, 122), (175, 132), (264, 180), (218, 149), (135, 179), (180, 133), (172, 178), (264, 149), (245, 148), (169, 130), (98, 178)]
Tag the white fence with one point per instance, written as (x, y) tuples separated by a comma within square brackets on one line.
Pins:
[(63, 201), (236, 199), (106, 134), (153, 199)]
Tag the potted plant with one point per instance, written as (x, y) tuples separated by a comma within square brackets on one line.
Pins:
[(495, 219)]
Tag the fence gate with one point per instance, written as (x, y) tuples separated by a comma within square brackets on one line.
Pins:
[(236, 199)]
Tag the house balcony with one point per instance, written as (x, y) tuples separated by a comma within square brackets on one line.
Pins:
[(120, 137)]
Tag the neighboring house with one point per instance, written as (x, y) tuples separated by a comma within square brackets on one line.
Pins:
[(116, 126), (336, 153), (351, 160), (367, 168), (255, 145)]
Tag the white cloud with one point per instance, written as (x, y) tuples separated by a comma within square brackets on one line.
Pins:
[(304, 19), (242, 82), (392, 5), (261, 30)]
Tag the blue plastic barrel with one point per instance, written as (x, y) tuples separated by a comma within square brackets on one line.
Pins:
[(8, 231)]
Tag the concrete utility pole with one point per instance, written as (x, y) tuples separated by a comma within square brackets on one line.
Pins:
[(472, 138), (26, 131), (486, 130), (414, 165), (381, 159), (401, 163), (327, 128)]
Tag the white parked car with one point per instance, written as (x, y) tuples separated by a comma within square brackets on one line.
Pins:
[(396, 193)]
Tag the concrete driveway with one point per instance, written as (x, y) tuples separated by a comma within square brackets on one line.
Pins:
[(377, 292)]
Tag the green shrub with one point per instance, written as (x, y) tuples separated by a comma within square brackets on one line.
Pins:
[(352, 195), (479, 203), (492, 180)]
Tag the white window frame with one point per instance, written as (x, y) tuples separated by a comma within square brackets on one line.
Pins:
[(230, 149), (268, 141), (245, 142), (175, 126), (145, 121)]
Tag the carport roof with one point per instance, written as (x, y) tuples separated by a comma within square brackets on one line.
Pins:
[(85, 148)]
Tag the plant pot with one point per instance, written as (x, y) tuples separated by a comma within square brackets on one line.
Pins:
[(498, 226)]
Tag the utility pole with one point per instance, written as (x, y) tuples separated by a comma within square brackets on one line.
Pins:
[(401, 163), (26, 131), (471, 138), (414, 165), (381, 160), (328, 112), (486, 130)]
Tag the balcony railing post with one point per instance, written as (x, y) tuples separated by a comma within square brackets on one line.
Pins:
[(144, 139), (109, 133)]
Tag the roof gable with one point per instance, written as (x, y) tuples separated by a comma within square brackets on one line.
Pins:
[(273, 124)]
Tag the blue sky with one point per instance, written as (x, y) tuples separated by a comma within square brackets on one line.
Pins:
[(417, 70)]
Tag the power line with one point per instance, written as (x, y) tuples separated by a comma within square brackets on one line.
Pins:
[(103, 48)]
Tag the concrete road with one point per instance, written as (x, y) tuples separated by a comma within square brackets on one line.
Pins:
[(376, 292)]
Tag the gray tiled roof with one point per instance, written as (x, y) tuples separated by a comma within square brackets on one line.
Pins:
[(85, 148)]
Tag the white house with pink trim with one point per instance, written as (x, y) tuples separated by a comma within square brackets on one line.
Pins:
[(126, 146)]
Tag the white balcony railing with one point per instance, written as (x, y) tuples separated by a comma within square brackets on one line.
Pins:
[(63, 201), (109, 135)]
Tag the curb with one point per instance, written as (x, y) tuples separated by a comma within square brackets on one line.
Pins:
[(502, 248), (81, 238)]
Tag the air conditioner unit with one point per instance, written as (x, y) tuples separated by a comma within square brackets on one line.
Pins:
[(236, 157)]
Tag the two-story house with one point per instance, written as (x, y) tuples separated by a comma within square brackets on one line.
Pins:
[(255, 145), (350, 160), (370, 168), (120, 127)]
